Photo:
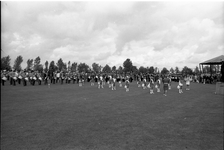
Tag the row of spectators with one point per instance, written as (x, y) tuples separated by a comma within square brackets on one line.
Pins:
[(203, 78)]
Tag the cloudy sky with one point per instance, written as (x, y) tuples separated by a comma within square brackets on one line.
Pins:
[(160, 34)]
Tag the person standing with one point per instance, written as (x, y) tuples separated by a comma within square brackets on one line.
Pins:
[(114, 83), (188, 80), (165, 85), (3, 77), (180, 86), (14, 77), (11, 77), (100, 82), (19, 76), (144, 85), (24, 77), (39, 79), (151, 85), (158, 82), (127, 84)]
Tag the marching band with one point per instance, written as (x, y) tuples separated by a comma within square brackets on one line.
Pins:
[(59, 77)]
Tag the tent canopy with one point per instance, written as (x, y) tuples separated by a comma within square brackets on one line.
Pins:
[(214, 61)]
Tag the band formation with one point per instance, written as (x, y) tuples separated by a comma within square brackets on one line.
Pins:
[(153, 82)]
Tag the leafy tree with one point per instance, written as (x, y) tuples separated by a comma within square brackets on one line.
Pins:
[(171, 70), (82, 67), (164, 71), (60, 64), (96, 67), (5, 63), (52, 66), (29, 64), (127, 65), (46, 66), (114, 69), (37, 65), (17, 63), (186, 71), (120, 70), (142, 69), (151, 70), (74, 67), (107, 69), (64, 67), (135, 69), (177, 70)]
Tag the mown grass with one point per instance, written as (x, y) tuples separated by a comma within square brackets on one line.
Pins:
[(68, 117)]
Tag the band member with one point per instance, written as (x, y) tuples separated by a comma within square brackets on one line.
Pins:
[(188, 81), (113, 83), (25, 78), (165, 85), (54, 77), (180, 86), (19, 76), (83, 79), (139, 81), (110, 81), (66, 77), (11, 77), (14, 77), (74, 77), (30, 77), (45, 76), (119, 80), (157, 86), (57, 76), (3, 77), (127, 84), (100, 82), (80, 80), (69, 77), (144, 84), (62, 75), (33, 74), (92, 80), (151, 85), (39, 79), (169, 82)]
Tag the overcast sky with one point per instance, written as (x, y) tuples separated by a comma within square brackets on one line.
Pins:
[(160, 34)]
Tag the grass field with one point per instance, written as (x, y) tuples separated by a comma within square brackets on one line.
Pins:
[(68, 117)]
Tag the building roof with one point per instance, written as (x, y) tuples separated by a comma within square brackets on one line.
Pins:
[(214, 61)]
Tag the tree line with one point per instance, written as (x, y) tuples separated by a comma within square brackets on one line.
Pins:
[(35, 64)]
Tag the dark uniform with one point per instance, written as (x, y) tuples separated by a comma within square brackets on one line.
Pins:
[(62, 76), (14, 78), (19, 77), (25, 78)]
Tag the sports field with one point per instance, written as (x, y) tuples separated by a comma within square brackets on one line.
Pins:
[(69, 117)]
